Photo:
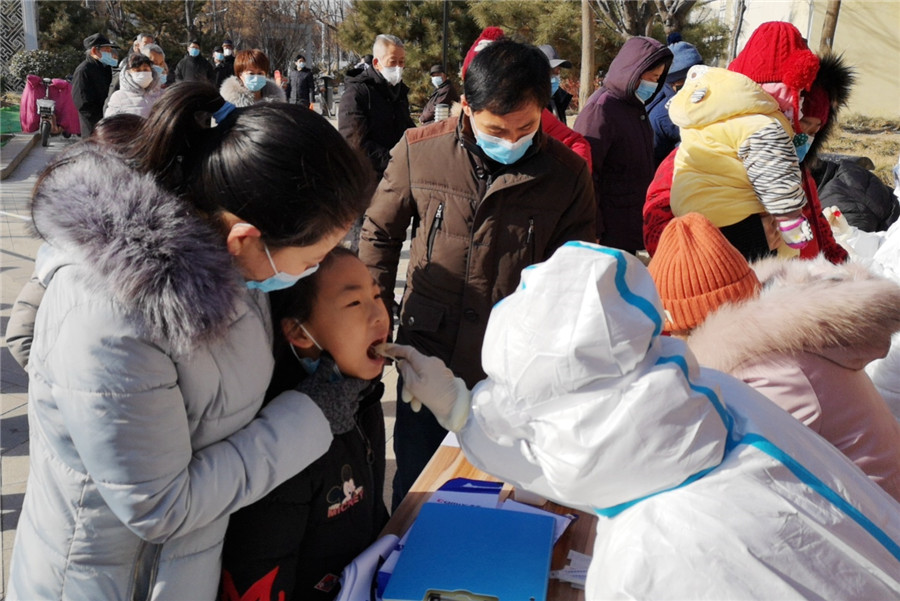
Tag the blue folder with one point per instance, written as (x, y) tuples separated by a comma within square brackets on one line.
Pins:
[(489, 553)]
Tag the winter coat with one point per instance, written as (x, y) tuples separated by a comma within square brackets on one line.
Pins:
[(446, 93), (736, 157), (222, 71), (90, 86), (615, 124), (666, 135), (235, 92), (559, 104), (132, 98), (142, 396), (317, 522), (302, 84), (705, 490), (194, 68), (658, 213), (860, 195), (479, 224), (373, 115), (804, 342)]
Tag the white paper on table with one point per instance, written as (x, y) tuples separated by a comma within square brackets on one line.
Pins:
[(562, 521)]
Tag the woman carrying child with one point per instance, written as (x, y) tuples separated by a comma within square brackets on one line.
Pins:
[(294, 543)]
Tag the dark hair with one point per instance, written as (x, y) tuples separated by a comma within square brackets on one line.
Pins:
[(218, 49), (506, 75), (117, 131), (138, 60), (281, 167), (249, 59), (297, 303), (299, 56), (194, 41)]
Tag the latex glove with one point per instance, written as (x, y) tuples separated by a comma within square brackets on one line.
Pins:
[(427, 381), (796, 233)]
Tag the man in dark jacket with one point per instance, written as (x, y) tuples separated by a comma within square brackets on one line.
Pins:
[(444, 93), (194, 67), (222, 68), (614, 121), (374, 110), (301, 82), (559, 98), (491, 194), (91, 80)]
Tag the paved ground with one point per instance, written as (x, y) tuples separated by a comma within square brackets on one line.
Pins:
[(17, 252)]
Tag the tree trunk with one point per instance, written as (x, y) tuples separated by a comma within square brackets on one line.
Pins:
[(739, 8), (587, 54), (828, 28)]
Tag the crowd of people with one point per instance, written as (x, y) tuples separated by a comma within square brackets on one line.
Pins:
[(212, 309)]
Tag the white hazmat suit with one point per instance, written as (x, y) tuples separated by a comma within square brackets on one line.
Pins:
[(705, 489)]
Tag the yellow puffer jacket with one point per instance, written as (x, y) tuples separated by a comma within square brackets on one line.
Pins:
[(718, 111)]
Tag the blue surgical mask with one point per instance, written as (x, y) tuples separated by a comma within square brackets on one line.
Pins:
[(645, 90), (162, 75), (301, 65), (309, 364), (436, 81), (254, 83), (194, 51), (802, 143), (554, 84), (280, 280), (219, 56), (107, 59), (500, 150)]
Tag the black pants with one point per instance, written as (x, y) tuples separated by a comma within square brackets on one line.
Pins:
[(416, 437), (749, 237)]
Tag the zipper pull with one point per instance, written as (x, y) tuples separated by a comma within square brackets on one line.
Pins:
[(439, 216), (530, 237)]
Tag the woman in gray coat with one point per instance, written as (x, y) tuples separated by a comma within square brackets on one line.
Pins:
[(151, 350)]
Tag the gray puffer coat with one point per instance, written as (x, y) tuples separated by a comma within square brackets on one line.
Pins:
[(148, 367), (131, 98)]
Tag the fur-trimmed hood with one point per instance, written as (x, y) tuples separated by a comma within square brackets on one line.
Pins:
[(842, 312), (836, 78), (141, 246), (235, 92)]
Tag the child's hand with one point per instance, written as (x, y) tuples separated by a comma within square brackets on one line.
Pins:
[(796, 233)]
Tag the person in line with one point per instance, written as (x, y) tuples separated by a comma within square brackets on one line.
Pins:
[(141, 40), (445, 92), (492, 194), (152, 344), (302, 83), (140, 88), (665, 133), (559, 98), (194, 67), (91, 80), (800, 332), (250, 83), (614, 121), (228, 51), (222, 69), (158, 57), (294, 542), (704, 488), (374, 109)]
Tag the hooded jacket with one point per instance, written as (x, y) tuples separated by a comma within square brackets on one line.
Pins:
[(615, 124), (804, 342), (132, 98), (373, 114), (234, 91), (705, 490), (736, 157), (149, 364), (479, 224)]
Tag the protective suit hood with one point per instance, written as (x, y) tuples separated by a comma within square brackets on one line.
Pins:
[(540, 361)]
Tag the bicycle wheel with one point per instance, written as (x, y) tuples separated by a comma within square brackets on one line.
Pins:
[(45, 133)]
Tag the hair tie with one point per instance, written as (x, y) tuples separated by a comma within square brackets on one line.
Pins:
[(221, 114)]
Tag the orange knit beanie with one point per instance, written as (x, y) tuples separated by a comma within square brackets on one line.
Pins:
[(696, 269)]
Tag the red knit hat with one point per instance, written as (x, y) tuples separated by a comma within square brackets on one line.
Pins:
[(777, 53), (817, 104), (696, 270), (490, 34)]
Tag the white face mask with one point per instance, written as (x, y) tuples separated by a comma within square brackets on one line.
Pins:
[(393, 75), (142, 78), (228, 51)]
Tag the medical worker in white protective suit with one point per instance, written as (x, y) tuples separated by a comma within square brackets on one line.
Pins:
[(705, 489)]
